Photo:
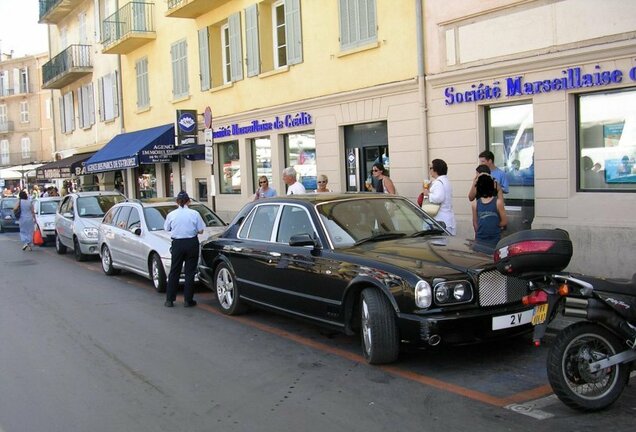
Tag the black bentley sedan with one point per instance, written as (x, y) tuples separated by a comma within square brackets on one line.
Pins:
[(372, 264)]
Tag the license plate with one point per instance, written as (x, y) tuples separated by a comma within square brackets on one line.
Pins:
[(512, 320), (540, 314)]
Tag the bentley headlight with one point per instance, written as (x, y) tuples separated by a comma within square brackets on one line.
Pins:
[(453, 292), (91, 233), (423, 294)]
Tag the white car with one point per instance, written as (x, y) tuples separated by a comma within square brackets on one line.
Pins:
[(77, 219), (131, 237), (45, 209)]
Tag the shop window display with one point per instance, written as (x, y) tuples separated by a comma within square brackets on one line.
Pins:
[(229, 160), (300, 153), (262, 160), (607, 141), (147, 181), (511, 139)]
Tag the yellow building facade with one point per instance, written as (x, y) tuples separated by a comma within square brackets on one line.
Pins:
[(332, 86)]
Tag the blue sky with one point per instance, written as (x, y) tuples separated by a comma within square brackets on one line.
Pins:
[(19, 28)]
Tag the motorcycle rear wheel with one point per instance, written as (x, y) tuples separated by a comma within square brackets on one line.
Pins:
[(568, 372)]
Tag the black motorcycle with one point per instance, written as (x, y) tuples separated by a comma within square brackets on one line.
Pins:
[(590, 361)]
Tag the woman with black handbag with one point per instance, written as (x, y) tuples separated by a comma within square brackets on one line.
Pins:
[(25, 214)]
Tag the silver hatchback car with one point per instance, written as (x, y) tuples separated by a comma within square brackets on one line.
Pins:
[(77, 219), (131, 237)]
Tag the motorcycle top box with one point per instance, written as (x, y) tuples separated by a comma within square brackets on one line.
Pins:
[(534, 250)]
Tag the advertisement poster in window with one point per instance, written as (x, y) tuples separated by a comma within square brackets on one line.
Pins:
[(519, 156)]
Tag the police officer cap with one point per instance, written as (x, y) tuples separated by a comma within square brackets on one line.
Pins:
[(183, 195)]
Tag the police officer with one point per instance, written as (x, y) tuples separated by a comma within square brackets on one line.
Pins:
[(183, 224)]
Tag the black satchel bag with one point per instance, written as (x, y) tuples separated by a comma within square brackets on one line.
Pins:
[(17, 211)]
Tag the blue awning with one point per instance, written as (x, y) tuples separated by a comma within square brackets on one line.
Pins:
[(129, 150)]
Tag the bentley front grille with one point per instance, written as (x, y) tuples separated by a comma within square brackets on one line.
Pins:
[(496, 289)]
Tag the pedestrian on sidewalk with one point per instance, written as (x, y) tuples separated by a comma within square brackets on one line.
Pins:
[(183, 224), (26, 220)]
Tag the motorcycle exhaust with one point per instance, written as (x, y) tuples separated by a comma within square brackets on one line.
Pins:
[(575, 307), (599, 312)]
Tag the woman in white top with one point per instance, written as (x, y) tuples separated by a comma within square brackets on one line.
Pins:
[(441, 192)]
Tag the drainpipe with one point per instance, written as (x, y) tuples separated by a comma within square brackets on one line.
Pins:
[(419, 25)]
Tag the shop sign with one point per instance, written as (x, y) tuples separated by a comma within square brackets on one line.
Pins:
[(571, 78), (255, 126), (186, 127), (158, 153), (111, 165)]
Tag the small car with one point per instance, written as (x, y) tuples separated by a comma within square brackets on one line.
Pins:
[(131, 237), (77, 219), (7, 218), (372, 264), (45, 209)]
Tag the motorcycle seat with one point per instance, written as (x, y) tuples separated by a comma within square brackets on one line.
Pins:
[(617, 286)]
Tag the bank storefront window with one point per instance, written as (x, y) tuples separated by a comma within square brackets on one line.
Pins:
[(231, 173), (511, 139), (607, 141), (261, 160), (300, 153)]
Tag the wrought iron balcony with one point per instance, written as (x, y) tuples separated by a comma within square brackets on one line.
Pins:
[(129, 28), (6, 126), (53, 11), (66, 67), (191, 8)]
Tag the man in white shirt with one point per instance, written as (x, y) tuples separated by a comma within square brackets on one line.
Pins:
[(183, 224), (293, 187)]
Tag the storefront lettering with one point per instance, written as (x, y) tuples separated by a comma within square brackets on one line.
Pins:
[(256, 126), (572, 78), (130, 162)]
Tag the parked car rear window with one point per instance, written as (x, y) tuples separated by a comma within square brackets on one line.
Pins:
[(9, 203), (97, 206), (156, 216), (48, 207)]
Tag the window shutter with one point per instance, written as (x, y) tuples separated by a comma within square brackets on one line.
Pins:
[(62, 116), (71, 107), (16, 81), (115, 95), (293, 32), (80, 106), (366, 10), (236, 52), (100, 99), (175, 70), (91, 104), (26, 80), (185, 86), (204, 58), (345, 39), (251, 34)]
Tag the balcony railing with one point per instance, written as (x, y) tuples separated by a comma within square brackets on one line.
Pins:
[(129, 28), (191, 8), (53, 11), (66, 67), (6, 126)]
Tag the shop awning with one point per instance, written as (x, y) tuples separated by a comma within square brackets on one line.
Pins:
[(190, 151), (129, 150), (19, 171), (63, 168)]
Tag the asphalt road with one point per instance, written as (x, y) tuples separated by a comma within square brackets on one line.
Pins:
[(81, 351)]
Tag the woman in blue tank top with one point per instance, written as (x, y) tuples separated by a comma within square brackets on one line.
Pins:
[(489, 214)]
